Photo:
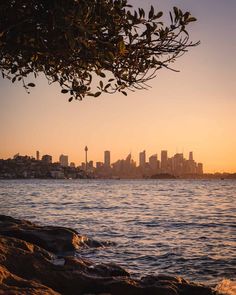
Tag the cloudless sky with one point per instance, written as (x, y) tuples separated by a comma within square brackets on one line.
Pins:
[(194, 110)]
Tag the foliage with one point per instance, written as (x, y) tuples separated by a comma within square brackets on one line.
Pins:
[(73, 41)]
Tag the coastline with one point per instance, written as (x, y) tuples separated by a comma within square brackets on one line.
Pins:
[(41, 260)]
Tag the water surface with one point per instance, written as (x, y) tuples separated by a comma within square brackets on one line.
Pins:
[(180, 227)]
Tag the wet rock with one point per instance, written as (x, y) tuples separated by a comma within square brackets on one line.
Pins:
[(90, 268), (28, 268), (56, 239)]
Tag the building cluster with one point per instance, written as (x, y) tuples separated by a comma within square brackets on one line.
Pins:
[(176, 166), (29, 167), (167, 167)]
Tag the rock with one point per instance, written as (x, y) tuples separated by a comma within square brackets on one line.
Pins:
[(58, 240), (28, 268), (101, 270), (12, 284)]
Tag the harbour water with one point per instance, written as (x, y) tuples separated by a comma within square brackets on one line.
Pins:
[(176, 227)]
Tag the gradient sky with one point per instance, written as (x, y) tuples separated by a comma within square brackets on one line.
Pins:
[(194, 110)]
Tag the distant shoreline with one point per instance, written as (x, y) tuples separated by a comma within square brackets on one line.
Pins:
[(211, 177)]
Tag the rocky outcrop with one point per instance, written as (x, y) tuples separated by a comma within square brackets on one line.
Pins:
[(56, 239), (12, 284), (27, 267)]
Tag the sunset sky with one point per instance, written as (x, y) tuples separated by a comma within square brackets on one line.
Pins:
[(194, 110)]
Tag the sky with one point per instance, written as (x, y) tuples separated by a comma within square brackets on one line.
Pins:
[(193, 110)]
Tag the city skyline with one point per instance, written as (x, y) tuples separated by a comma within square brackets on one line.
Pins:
[(155, 162), (190, 110), (65, 159), (149, 166)]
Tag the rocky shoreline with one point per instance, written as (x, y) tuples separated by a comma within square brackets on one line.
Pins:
[(40, 260)]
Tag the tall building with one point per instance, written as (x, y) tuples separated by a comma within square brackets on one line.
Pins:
[(200, 168), (191, 156), (170, 165), (192, 166), (47, 159), (86, 157), (153, 163), (164, 162), (37, 156), (107, 158), (178, 164), (63, 160), (142, 159)]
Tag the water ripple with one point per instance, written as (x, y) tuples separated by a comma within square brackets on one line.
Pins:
[(178, 227)]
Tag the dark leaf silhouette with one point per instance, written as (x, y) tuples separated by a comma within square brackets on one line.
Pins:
[(71, 42)]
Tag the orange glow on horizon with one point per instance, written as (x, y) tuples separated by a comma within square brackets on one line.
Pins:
[(194, 110)]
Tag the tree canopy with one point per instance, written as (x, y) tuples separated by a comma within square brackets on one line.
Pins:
[(73, 41)]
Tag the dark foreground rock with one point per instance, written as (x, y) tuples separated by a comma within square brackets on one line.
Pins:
[(52, 238), (27, 267)]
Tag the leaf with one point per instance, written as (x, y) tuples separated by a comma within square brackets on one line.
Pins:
[(34, 57), (13, 70), (124, 93), (102, 75), (122, 48), (151, 12), (97, 94), (160, 13), (171, 17), (64, 91), (191, 19), (176, 11), (141, 13), (31, 85), (110, 55), (186, 15), (70, 99), (107, 86)]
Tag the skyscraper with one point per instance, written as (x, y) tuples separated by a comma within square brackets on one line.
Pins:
[(153, 163), (164, 161), (63, 160), (200, 168), (192, 166), (37, 155), (178, 164), (191, 156), (86, 157), (142, 159), (107, 158)]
